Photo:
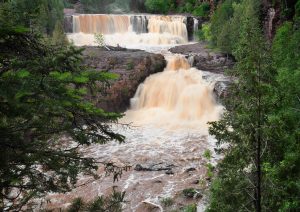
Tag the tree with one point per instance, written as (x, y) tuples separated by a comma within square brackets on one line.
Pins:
[(157, 6), (282, 169), (222, 15), (244, 127), (58, 36), (43, 105), (39, 15)]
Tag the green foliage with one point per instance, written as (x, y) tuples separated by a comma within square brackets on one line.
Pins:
[(245, 126), (220, 25), (58, 36), (158, 6), (39, 15), (166, 202), (210, 169), (202, 10), (204, 34), (112, 203), (99, 39), (190, 208), (281, 168), (43, 98), (264, 109), (189, 192), (207, 154)]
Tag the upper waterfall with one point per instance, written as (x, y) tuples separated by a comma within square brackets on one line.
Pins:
[(126, 30)]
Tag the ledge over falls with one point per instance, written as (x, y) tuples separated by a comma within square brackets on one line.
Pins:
[(132, 67)]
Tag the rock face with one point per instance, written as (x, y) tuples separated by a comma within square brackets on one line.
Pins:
[(132, 66), (203, 59)]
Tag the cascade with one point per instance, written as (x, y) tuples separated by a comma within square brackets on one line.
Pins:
[(177, 98), (105, 24), (126, 30), (139, 24), (168, 114)]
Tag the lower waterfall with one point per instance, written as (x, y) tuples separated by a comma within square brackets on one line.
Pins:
[(177, 98)]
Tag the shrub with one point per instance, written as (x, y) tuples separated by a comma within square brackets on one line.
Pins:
[(166, 202), (204, 34), (99, 39), (190, 208), (207, 154)]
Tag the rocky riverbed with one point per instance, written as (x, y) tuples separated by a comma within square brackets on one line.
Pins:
[(170, 167)]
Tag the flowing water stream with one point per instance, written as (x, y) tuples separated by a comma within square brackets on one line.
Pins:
[(168, 117)]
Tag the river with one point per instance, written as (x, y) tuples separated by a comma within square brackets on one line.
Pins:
[(167, 118)]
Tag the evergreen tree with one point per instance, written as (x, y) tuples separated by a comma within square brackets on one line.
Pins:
[(244, 126), (282, 168), (58, 36), (43, 105)]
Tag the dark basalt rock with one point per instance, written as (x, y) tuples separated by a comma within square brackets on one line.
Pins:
[(154, 167), (190, 169), (221, 89), (169, 172), (203, 58), (132, 67)]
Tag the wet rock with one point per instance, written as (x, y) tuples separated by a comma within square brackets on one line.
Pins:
[(203, 58), (195, 182), (221, 89), (131, 66), (190, 169), (192, 193), (154, 167), (139, 167), (169, 172)]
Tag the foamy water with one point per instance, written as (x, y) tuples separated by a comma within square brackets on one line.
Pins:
[(176, 99), (168, 116)]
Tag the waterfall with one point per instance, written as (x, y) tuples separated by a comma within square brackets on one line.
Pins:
[(127, 30), (105, 24), (177, 98), (139, 24)]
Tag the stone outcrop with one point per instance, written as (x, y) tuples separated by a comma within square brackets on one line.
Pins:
[(132, 67), (204, 59)]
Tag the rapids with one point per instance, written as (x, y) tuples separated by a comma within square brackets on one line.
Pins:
[(168, 117)]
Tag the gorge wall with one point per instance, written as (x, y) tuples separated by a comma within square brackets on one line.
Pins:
[(132, 67)]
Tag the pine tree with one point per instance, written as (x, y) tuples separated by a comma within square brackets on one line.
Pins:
[(59, 37), (43, 100), (244, 126)]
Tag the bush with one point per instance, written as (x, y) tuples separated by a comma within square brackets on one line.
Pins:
[(166, 202), (207, 154), (204, 34), (190, 208), (99, 39), (189, 192)]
